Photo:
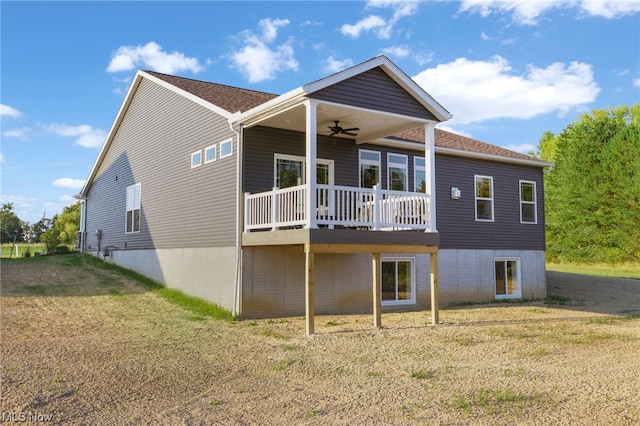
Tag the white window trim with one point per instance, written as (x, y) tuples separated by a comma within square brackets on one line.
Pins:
[(222, 144), (476, 198), (193, 156), (414, 285), (534, 202), (369, 162), (417, 168), (215, 154), (277, 156), (518, 295), (131, 205), (404, 166)]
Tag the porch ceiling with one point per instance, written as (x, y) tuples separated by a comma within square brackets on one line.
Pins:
[(373, 125)]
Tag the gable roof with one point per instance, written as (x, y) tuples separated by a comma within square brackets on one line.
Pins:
[(229, 98), (235, 99)]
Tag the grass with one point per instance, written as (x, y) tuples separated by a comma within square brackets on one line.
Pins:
[(624, 270), (200, 308), (22, 248)]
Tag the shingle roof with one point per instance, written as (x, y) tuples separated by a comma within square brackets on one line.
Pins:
[(451, 140), (234, 99), (229, 98)]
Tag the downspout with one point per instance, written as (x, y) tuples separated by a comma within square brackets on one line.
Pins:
[(239, 131)]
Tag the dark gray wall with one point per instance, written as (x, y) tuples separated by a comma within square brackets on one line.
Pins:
[(382, 93), (180, 206), (455, 219), (262, 142)]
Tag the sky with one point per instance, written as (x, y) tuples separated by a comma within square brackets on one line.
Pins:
[(508, 70)]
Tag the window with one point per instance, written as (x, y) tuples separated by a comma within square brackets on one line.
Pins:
[(507, 278), (420, 175), (528, 210), (397, 172), (369, 168), (484, 198), (133, 208), (289, 171), (210, 154), (226, 148), (196, 159), (398, 281)]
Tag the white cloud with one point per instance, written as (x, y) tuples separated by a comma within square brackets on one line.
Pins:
[(378, 25), (397, 51), (152, 56), (87, 136), (333, 65), (476, 91), (69, 183), (259, 62), (528, 12), (523, 148), (17, 133), (7, 111), (636, 82), (369, 23), (2, 159)]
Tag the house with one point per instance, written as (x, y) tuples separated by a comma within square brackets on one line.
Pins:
[(339, 196)]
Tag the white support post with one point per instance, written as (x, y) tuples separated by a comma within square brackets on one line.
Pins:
[(430, 172), (310, 163)]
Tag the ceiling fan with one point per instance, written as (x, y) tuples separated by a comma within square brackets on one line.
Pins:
[(336, 130)]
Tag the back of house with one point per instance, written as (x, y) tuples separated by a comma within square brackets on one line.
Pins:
[(228, 194)]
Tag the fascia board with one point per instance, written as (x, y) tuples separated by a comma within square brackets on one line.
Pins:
[(114, 127), (269, 108)]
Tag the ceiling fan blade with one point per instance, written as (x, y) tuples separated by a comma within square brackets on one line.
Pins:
[(352, 129), (349, 133)]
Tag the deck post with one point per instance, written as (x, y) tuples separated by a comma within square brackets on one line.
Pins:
[(434, 288), (309, 289), (430, 171), (311, 179), (377, 288), (275, 208)]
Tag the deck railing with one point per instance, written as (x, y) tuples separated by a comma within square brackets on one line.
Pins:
[(338, 206)]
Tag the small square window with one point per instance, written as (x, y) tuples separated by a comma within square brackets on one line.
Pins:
[(196, 159), (226, 148), (210, 154)]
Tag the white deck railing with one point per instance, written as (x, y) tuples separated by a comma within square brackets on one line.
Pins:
[(341, 206)]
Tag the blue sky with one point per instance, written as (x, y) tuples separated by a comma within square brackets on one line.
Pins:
[(507, 70)]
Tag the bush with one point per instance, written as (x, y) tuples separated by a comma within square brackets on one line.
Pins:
[(61, 249)]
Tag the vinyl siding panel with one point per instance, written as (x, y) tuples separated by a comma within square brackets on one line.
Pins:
[(374, 90), (261, 143), (180, 206), (456, 218)]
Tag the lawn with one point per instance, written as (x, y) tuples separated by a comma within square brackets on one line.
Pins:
[(86, 343)]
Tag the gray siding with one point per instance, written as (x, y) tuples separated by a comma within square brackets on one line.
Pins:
[(180, 206), (456, 218), (382, 93)]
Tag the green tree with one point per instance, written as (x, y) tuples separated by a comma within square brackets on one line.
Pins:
[(10, 224), (593, 190), (64, 228)]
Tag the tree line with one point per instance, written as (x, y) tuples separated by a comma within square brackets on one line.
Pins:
[(592, 192), (56, 234)]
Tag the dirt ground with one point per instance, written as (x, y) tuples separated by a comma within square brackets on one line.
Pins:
[(85, 345)]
